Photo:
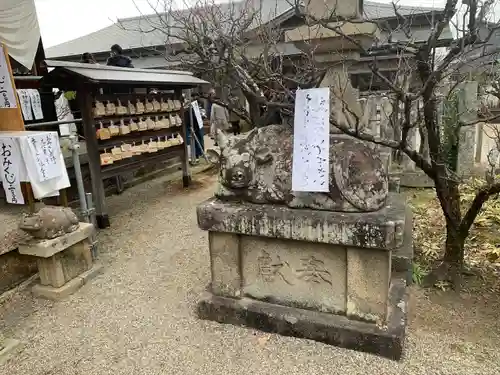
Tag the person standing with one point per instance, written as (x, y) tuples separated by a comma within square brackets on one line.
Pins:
[(117, 58), (211, 95), (219, 119)]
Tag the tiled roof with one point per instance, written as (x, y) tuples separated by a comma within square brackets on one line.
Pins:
[(374, 10), (129, 32), (103, 73)]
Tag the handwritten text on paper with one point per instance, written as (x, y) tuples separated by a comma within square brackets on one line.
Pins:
[(7, 94), (46, 152), (311, 144), (10, 159)]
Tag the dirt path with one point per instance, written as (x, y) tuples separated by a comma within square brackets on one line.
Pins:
[(138, 316)]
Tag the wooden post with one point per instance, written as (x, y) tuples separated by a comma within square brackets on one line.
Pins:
[(84, 97), (11, 119), (186, 177)]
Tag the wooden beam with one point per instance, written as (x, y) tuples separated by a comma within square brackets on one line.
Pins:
[(186, 175)]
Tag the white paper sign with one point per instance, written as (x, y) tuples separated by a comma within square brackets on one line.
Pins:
[(10, 162), (7, 94), (311, 143), (45, 150), (36, 103), (25, 101), (197, 113)]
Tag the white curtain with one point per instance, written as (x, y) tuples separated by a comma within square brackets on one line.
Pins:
[(19, 30)]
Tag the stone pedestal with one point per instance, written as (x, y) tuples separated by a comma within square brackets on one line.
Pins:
[(64, 263), (321, 275)]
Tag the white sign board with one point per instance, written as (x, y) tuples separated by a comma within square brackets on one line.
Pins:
[(45, 151), (197, 113), (311, 141), (7, 94), (25, 101), (36, 103), (10, 166)]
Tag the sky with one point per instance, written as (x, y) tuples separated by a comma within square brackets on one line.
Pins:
[(63, 20)]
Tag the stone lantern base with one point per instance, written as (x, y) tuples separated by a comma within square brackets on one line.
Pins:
[(321, 275), (64, 263)]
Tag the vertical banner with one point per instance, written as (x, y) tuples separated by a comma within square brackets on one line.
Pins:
[(197, 113), (311, 141), (7, 94), (36, 103), (10, 166), (25, 101)]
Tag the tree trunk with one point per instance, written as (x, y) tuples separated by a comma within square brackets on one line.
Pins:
[(449, 198), (454, 246), (450, 268)]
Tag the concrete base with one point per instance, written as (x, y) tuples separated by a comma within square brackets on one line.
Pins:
[(386, 341), (327, 276), (7, 348), (56, 294)]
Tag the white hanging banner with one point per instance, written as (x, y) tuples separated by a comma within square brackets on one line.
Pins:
[(19, 30), (45, 151), (64, 113), (7, 94), (36, 103), (25, 101), (10, 166), (311, 141), (197, 113)]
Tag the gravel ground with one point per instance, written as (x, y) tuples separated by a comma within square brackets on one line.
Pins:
[(138, 316)]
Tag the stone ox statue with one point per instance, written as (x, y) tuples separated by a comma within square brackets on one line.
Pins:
[(256, 167), (50, 222)]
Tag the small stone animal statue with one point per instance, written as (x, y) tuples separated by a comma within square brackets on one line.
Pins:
[(256, 167), (50, 222)]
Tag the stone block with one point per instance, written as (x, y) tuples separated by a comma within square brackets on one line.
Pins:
[(56, 294), (295, 273), (65, 265), (368, 278), (321, 275), (415, 179), (467, 107), (331, 329), (47, 248), (395, 184), (382, 229), (402, 257), (386, 157), (225, 264), (15, 268)]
